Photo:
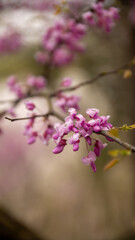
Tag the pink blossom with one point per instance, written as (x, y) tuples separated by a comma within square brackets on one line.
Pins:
[(42, 57), (114, 13), (98, 147), (88, 140), (80, 127), (62, 41), (49, 131), (78, 30), (66, 82), (88, 18), (90, 160), (101, 17), (32, 137), (37, 82), (92, 112), (98, 8), (31, 81), (75, 141), (30, 105), (29, 126), (66, 102), (29, 132), (72, 113), (10, 41), (18, 91), (12, 80), (59, 148), (15, 86), (11, 111), (62, 56)]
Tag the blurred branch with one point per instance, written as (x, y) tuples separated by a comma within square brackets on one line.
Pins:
[(48, 95), (16, 101), (94, 79), (46, 115), (51, 112)]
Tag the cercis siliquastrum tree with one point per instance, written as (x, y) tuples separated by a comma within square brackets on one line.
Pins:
[(60, 44)]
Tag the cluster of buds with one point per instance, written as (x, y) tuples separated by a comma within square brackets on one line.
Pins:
[(101, 17), (64, 102), (61, 42), (82, 128), (32, 83), (33, 135)]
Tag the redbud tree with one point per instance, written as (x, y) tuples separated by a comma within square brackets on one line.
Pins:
[(60, 44)]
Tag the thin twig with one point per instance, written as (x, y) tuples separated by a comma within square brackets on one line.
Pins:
[(90, 81), (57, 115), (16, 101), (46, 115), (24, 118), (119, 141), (55, 93)]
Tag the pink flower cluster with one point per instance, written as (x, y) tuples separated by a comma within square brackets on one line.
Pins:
[(82, 128), (30, 105), (29, 132), (36, 83), (61, 42), (10, 42), (33, 134), (64, 102), (15, 86), (101, 17)]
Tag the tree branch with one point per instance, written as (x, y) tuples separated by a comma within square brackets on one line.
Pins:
[(48, 95), (92, 80), (57, 115), (119, 141), (46, 115)]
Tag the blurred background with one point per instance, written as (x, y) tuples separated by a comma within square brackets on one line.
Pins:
[(57, 197)]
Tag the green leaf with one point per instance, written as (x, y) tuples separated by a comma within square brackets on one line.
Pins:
[(119, 152), (125, 127), (114, 132)]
